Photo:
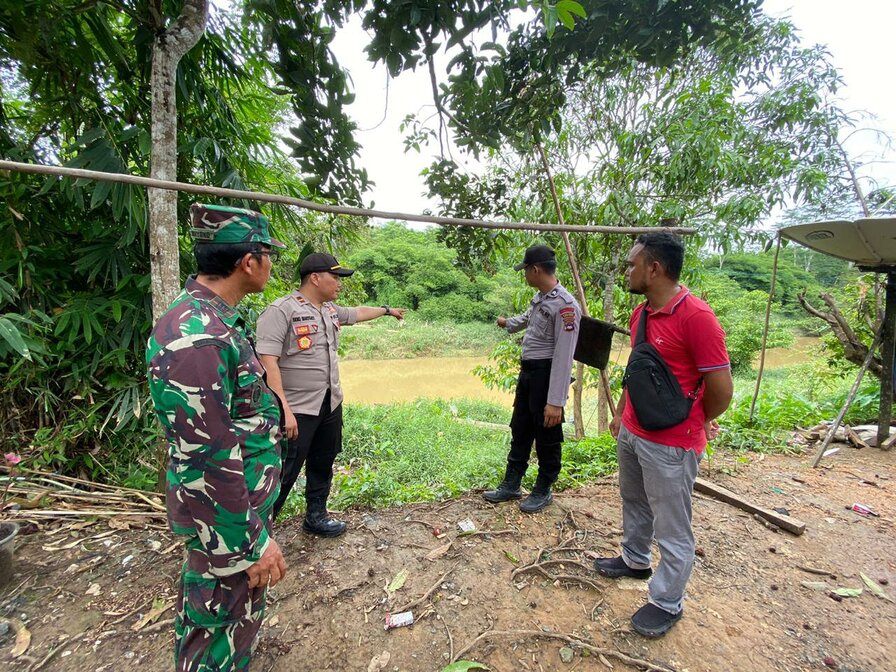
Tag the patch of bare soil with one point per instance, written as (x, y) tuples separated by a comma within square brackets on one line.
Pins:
[(519, 594)]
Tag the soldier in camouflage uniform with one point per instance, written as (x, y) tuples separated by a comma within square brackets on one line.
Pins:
[(223, 426), (552, 330)]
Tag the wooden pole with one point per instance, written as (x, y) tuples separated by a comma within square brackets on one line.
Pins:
[(768, 312), (888, 348), (580, 291), (849, 397), (238, 194)]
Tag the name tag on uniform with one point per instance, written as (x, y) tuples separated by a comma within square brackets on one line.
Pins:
[(303, 318)]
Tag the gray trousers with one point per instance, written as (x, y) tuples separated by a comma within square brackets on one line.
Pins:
[(656, 482)]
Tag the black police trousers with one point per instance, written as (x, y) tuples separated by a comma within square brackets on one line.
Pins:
[(318, 443), (527, 423)]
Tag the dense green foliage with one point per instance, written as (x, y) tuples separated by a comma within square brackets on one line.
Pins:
[(799, 270), (740, 312), (74, 89), (402, 267)]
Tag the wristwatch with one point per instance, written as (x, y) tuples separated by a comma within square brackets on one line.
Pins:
[(387, 309)]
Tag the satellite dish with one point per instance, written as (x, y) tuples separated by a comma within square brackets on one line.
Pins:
[(870, 243)]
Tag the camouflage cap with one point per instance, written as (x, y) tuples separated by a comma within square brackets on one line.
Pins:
[(221, 224)]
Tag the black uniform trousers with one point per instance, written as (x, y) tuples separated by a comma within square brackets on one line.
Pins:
[(318, 443), (527, 423)]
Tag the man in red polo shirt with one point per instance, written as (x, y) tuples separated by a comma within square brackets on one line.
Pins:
[(658, 467)]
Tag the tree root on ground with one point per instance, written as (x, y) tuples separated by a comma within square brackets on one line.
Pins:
[(646, 665)]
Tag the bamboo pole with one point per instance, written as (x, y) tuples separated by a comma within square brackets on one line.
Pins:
[(768, 312), (580, 291), (221, 192)]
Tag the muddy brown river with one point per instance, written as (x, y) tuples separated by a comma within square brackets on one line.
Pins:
[(396, 380)]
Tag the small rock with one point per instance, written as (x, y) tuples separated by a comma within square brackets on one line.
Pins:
[(829, 661), (772, 549), (533, 605), (774, 586), (699, 552), (4, 628), (883, 581), (566, 654), (835, 597)]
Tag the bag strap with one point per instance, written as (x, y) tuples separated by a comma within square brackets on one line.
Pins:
[(693, 395), (641, 335)]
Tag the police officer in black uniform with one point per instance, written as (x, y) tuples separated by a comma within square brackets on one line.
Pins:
[(552, 329)]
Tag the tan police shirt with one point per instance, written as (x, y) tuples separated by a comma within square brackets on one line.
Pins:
[(306, 340)]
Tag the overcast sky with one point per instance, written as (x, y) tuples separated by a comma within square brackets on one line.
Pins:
[(859, 35)]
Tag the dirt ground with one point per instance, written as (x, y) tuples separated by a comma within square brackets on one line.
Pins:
[(86, 595)]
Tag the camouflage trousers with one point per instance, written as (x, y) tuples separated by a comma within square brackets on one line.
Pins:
[(217, 621)]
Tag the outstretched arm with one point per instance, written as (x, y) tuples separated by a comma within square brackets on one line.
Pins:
[(366, 313)]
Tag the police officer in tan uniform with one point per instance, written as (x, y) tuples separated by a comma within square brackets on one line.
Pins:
[(298, 340), (552, 329)]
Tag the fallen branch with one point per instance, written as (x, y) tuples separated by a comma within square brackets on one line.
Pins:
[(428, 593), (52, 653), (545, 563), (611, 653), (484, 533), (44, 495), (816, 570)]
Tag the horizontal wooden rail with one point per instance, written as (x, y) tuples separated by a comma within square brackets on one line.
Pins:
[(125, 178)]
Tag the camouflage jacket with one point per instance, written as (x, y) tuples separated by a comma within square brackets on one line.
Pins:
[(222, 423)]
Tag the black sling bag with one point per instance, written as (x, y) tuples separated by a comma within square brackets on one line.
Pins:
[(653, 390)]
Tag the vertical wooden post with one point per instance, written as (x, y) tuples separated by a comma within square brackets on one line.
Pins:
[(888, 347), (768, 312), (580, 292)]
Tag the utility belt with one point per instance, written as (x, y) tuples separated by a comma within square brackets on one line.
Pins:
[(535, 364)]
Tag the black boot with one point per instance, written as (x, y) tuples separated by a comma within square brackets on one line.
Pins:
[(539, 498), (509, 487), (318, 522)]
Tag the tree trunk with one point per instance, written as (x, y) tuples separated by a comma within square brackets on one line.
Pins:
[(853, 349), (171, 44), (164, 253)]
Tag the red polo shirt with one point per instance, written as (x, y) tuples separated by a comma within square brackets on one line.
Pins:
[(692, 342)]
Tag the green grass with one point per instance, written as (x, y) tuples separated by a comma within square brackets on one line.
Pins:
[(401, 453), (385, 338), (802, 395)]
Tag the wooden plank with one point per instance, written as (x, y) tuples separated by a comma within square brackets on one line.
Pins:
[(792, 525)]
